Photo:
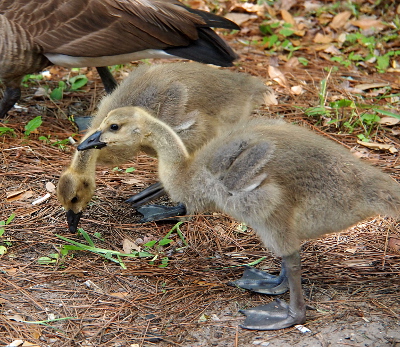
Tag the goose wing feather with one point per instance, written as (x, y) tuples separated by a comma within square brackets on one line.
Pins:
[(239, 164), (69, 26)]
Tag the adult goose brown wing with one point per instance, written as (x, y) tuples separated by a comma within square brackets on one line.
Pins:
[(77, 33)]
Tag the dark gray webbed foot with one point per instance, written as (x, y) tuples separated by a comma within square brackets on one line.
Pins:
[(261, 282), (152, 213), (275, 315)]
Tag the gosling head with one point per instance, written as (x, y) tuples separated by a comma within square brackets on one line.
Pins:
[(74, 191), (121, 128)]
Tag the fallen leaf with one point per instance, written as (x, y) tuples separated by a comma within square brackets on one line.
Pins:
[(16, 317), (248, 8), (340, 20), (26, 211), (270, 99), (240, 18), (293, 62), (395, 132), (376, 145), (128, 246), (120, 295), (394, 243), (11, 271), (320, 38), (28, 344), (19, 195), (365, 86), (51, 188), (288, 18), (90, 284), (389, 121), (368, 23), (16, 343), (133, 181), (332, 50), (276, 75), (297, 90)]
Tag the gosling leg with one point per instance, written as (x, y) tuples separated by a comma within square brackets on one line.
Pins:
[(278, 314), (152, 192)]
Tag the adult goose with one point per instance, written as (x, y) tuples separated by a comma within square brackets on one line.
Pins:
[(78, 33), (196, 100), (286, 182)]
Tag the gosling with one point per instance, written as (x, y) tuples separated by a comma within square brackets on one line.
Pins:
[(196, 100), (284, 181)]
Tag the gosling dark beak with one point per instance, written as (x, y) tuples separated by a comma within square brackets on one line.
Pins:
[(73, 220), (93, 141)]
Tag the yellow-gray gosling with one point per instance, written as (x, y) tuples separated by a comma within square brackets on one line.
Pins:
[(196, 100), (284, 181)]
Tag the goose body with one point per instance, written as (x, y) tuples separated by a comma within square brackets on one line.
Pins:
[(284, 181), (196, 100), (78, 33)]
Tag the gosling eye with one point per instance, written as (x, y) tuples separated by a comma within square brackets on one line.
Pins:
[(74, 200), (114, 127)]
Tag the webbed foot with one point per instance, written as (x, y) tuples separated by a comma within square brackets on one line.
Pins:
[(152, 213), (261, 282), (273, 316)]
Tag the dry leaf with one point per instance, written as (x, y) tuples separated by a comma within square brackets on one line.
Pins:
[(292, 63), (16, 343), (19, 195), (395, 132), (333, 50), (36, 332), (297, 90), (270, 98), (134, 181), (14, 193), (90, 284), (128, 246), (28, 344), (394, 243), (340, 20), (120, 295), (376, 145), (368, 23), (320, 38), (276, 75), (389, 121), (366, 86), (240, 18), (50, 187), (288, 18), (16, 317)]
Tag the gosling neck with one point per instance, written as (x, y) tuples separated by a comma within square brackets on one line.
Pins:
[(169, 147), (84, 161)]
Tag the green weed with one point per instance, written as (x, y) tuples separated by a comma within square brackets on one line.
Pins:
[(32, 125), (6, 242)]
